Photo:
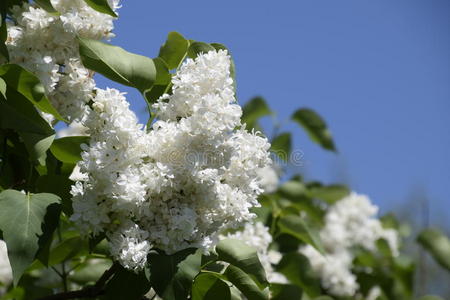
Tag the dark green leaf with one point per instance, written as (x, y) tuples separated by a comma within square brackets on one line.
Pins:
[(196, 48), (285, 291), (117, 64), (281, 146), (162, 82), (67, 149), (209, 286), (3, 37), (101, 6), (438, 244), (22, 221), (171, 275), (46, 5), (253, 110), (245, 284), (126, 284), (59, 185), (239, 254), (174, 50), (29, 86), (297, 227), (315, 126), (297, 269)]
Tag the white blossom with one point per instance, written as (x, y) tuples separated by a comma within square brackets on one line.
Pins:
[(46, 44), (349, 223), (187, 179)]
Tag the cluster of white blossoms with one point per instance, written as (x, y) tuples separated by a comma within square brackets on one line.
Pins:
[(269, 178), (349, 223), (46, 45), (5, 268), (257, 236), (179, 184)]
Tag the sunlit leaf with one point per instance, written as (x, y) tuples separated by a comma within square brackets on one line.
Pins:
[(174, 50), (117, 64), (67, 149), (101, 6), (297, 227), (239, 254)]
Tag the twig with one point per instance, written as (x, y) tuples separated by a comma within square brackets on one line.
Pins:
[(88, 292)]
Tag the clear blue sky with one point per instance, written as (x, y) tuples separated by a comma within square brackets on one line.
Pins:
[(378, 71)]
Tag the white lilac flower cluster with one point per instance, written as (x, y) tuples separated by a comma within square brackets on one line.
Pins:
[(349, 223), (45, 44), (182, 182), (257, 236), (5, 268)]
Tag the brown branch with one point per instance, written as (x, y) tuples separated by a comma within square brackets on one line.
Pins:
[(88, 292)]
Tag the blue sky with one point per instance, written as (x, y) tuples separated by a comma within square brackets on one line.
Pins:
[(378, 71)]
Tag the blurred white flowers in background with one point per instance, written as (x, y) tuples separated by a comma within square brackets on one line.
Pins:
[(350, 222)]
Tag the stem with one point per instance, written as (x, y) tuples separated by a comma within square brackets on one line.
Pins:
[(63, 265), (88, 292)]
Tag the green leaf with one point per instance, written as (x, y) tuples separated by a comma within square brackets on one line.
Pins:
[(3, 37), (117, 64), (46, 5), (171, 275), (22, 222), (196, 48), (59, 185), (67, 149), (293, 190), (90, 271), (29, 86), (329, 193), (285, 291), (245, 284), (239, 254), (210, 286), (101, 6), (281, 146), (126, 284), (174, 50), (253, 110), (315, 126), (19, 114), (2, 88), (67, 249), (438, 244), (162, 81), (297, 269), (297, 227)]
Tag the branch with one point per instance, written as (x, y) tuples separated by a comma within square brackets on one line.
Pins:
[(88, 292)]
